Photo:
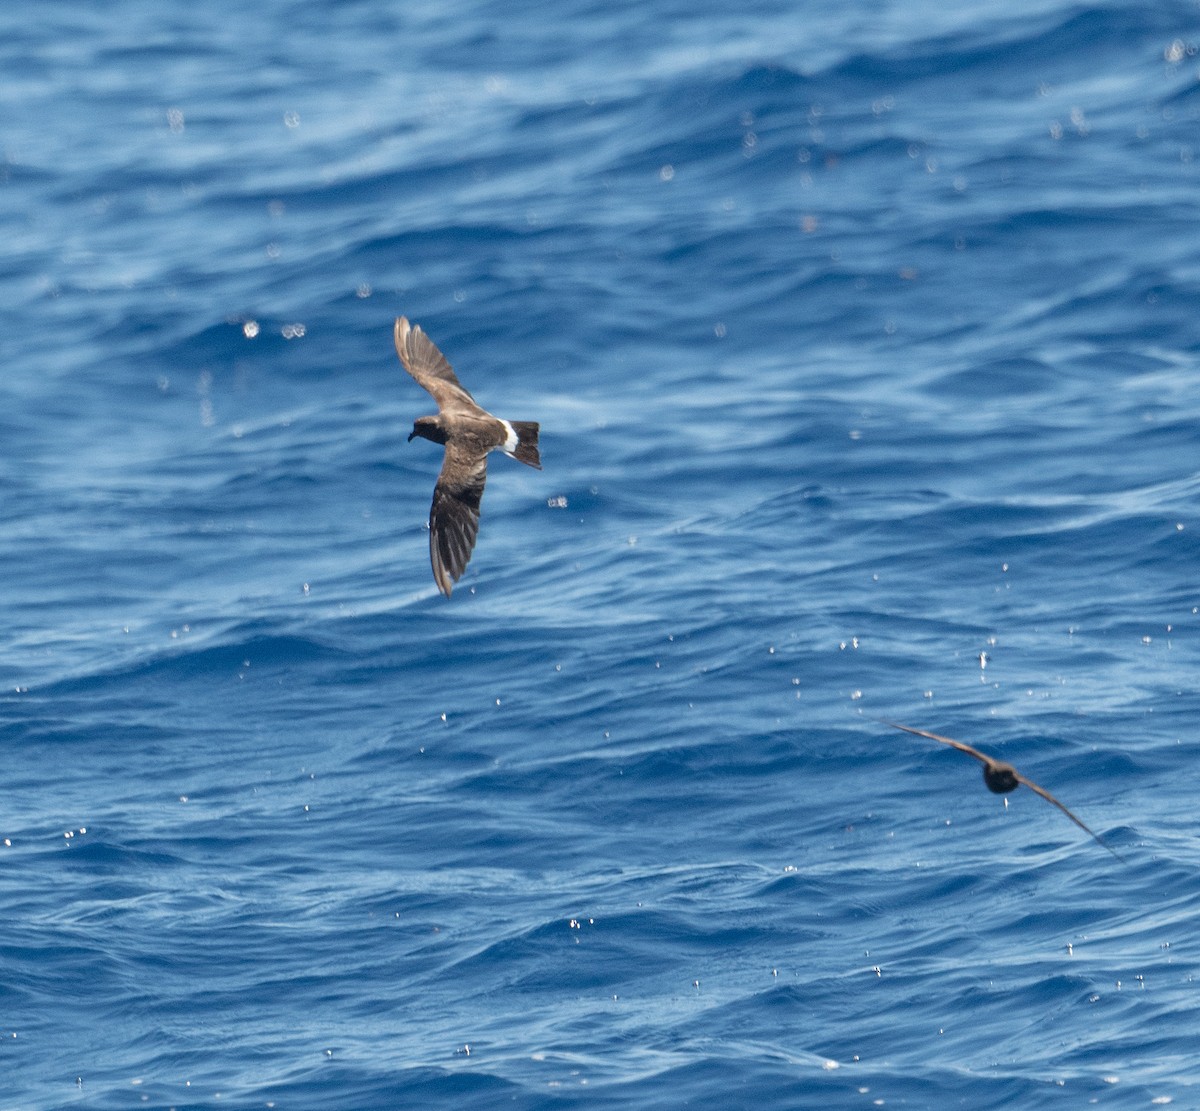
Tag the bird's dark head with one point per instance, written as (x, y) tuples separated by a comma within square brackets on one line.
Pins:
[(428, 428), (1000, 778)]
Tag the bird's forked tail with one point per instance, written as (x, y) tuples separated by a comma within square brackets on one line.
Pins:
[(526, 450)]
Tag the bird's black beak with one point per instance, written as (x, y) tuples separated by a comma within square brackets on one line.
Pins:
[(410, 437)]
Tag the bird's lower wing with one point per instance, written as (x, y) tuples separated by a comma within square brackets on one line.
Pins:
[(454, 517), (1078, 821)]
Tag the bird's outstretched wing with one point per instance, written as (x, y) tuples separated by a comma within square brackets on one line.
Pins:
[(960, 745), (430, 368), (1079, 822), (454, 515)]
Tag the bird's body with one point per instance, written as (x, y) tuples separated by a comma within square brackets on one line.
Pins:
[(468, 433), (1001, 778)]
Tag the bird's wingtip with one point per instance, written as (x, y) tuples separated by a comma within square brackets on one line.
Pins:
[(400, 334), (443, 581)]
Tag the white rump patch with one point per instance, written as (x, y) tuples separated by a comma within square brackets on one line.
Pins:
[(510, 444)]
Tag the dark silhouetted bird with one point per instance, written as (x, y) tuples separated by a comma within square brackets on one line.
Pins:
[(1002, 778)]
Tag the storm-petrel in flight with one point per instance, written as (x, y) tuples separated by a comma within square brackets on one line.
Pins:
[(469, 433), (1002, 778)]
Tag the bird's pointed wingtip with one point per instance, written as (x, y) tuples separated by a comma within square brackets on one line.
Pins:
[(441, 575)]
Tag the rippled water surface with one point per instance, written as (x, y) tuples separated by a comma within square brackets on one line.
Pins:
[(863, 343)]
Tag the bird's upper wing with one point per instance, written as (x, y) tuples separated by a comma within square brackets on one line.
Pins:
[(454, 515), (429, 366), (960, 745)]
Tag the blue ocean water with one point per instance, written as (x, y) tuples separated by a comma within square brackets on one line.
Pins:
[(863, 342)]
